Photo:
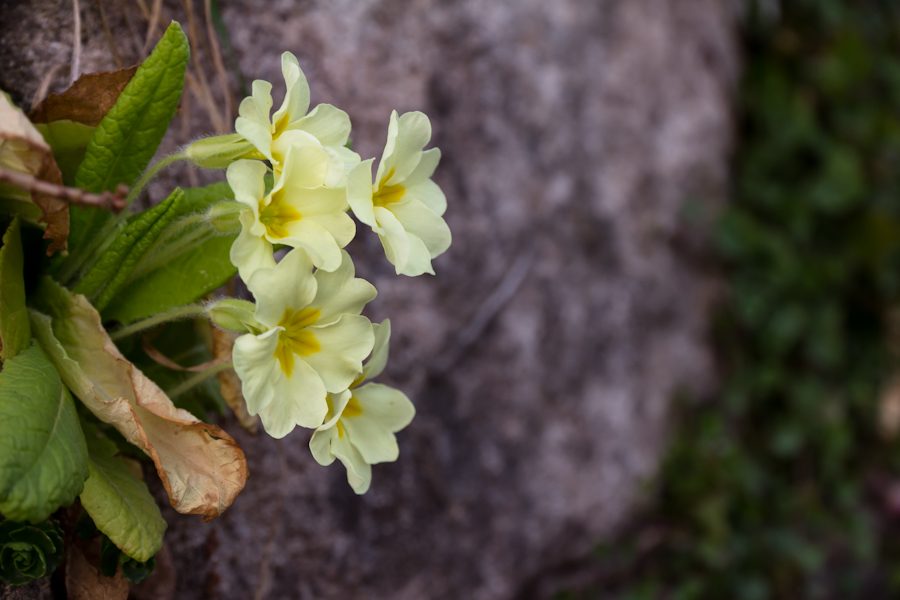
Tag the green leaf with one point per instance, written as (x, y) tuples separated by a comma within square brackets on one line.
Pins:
[(69, 141), (119, 503), (199, 199), (129, 134), (15, 333), (29, 551), (115, 266), (181, 281), (43, 457)]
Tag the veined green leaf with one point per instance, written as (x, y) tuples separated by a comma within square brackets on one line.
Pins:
[(119, 503), (15, 333), (115, 266), (181, 281), (68, 140), (175, 278), (43, 457), (128, 136)]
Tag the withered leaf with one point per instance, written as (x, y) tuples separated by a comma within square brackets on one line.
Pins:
[(202, 467), (23, 149), (84, 581), (229, 382), (88, 99)]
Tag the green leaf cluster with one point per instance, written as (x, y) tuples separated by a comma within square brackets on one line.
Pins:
[(29, 551)]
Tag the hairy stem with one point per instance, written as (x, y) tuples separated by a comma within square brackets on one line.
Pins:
[(197, 379), (151, 173), (182, 312)]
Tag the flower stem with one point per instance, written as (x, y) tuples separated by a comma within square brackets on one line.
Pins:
[(151, 173), (198, 378), (182, 312)]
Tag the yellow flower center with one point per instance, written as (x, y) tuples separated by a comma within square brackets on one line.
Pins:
[(387, 194), (276, 215), (296, 339), (353, 409), (280, 125)]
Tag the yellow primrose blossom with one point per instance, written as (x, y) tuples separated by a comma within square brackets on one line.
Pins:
[(290, 124), (299, 212), (404, 206), (361, 421), (314, 341)]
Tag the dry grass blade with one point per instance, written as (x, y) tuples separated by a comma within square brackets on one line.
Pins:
[(221, 73), (151, 27), (76, 50), (110, 41), (211, 107), (44, 87)]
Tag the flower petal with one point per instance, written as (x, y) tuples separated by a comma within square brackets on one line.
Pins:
[(359, 192), (428, 193), (253, 123), (377, 362), (320, 445), (419, 258), (330, 125), (250, 252), (317, 241), (256, 365), (414, 131), (340, 292), (343, 346), (296, 98), (305, 162), (290, 285), (299, 400), (359, 472), (338, 224), (330, 174), (425, 169), (418, 220), (384, 411), (395, 239), (247, 180)]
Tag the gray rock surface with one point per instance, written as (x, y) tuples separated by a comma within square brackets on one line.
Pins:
[(585, 146)]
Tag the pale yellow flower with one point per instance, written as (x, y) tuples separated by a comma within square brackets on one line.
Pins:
[(300, 212), (314, 341), (361, 421), (404, 206), (325, 125)]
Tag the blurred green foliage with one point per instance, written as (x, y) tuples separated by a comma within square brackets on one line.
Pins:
[(782, 488)]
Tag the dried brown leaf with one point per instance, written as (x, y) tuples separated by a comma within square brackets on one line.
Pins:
[(229, 383), (84, 581), (88, 99), (202, 467), (23, 149)]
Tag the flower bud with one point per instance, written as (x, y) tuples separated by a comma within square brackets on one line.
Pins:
[(219, 151), (234, 315), (224, 217)]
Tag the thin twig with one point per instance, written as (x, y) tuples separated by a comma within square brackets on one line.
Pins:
[(110, 41), (488, 310), (151, 28), (160, 358), (114, 202), (44, 87), (76, 50), (221, 73), (194, 38), (198, 378), (262, 587)]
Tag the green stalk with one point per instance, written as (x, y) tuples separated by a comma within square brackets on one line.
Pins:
[(197, 379), (182, 312), (151, 173)]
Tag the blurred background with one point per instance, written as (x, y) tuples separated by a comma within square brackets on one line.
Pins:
[(659, 360)]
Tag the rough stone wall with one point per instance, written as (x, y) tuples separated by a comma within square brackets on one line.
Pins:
[(585, 146)]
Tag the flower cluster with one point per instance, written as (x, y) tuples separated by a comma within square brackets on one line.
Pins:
[(300, 360)]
